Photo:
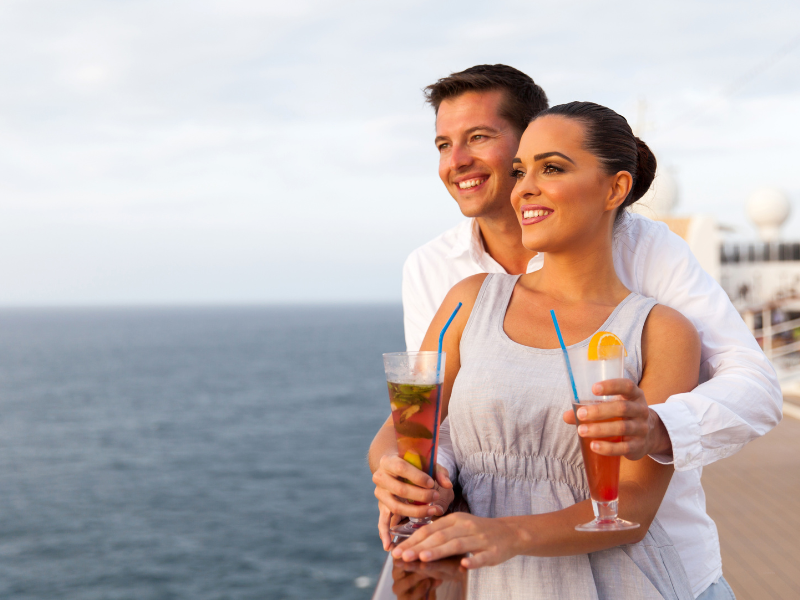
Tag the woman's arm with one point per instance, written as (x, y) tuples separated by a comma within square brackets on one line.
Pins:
[(388, 468), (671, 352)]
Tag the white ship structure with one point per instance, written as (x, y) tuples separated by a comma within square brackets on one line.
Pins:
[(761, 277)]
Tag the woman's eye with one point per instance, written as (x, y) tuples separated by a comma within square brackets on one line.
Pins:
[(517, 174), (552, 169)]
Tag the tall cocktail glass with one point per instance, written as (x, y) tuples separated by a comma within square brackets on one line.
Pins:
[(602, 472), (415, 390)]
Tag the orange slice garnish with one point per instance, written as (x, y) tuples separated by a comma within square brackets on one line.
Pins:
[(601, 344)]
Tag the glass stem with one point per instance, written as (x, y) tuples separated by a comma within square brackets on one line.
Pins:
[(605, 512)]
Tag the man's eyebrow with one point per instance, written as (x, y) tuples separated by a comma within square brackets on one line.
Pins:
[(544, 155), (516, 160), (482, 127)]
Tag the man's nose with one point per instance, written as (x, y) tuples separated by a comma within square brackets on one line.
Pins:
[(460, 157)]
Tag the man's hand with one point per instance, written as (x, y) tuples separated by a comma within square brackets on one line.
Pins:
[(392, 492), (641, 429)]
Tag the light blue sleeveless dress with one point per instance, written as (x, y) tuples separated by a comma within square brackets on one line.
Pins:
[(516, 456)]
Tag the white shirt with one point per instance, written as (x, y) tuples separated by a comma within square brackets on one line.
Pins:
[(738, 400)]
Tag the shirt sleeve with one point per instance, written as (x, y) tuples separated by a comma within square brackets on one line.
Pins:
[(739, 398), (417, 312)]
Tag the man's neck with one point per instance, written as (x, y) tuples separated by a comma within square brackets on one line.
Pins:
[(502, 237)]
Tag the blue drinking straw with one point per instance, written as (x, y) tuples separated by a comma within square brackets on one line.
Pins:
[(566, 356), (438, 388)]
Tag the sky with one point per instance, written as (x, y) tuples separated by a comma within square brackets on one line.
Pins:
[(240, 152)]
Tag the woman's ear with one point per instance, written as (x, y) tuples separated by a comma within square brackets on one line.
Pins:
[(621, 184)]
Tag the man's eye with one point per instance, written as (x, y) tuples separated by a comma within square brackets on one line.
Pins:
[(517, 174), (477, 137), (443, 147)]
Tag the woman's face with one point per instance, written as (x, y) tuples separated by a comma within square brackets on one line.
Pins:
[(563, 198)]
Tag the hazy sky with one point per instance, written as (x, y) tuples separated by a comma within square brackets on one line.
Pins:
[(252, 151)]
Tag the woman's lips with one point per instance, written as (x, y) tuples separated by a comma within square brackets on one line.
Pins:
[(532, 213)]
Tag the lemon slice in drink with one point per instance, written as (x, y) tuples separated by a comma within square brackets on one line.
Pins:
[(601, 343), (413, 458)]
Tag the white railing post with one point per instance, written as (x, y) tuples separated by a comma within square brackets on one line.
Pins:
[(766, 327)]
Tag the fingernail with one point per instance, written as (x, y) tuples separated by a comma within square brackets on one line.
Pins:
[(397, 553), (595, 446), (429, 483), (582, 412), (409, 555), (432, 511), (425, 555), (436, 495), (583, 430)]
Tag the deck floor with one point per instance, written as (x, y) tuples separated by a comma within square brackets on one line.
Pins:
[(754, 497)]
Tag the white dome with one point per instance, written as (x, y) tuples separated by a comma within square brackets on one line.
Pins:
[(662, 197), (768, 209)]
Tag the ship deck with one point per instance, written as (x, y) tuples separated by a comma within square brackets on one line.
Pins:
[(754, 497)]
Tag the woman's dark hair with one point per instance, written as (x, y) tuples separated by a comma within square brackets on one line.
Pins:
[(523, 98), (610, 139)]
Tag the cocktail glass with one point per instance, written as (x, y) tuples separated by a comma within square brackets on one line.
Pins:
[(415, 391), (602, 472)]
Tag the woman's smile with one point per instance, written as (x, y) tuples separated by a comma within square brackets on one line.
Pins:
[(534, 213)]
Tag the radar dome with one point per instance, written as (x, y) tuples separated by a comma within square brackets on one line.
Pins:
[(768, 209), (662, 197)]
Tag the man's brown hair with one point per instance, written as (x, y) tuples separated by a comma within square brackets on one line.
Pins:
[(523, 98)]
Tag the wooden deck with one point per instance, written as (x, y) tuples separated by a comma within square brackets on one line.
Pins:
[(754, 497)]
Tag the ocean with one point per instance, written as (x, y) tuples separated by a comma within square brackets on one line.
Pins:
[(193, 453)]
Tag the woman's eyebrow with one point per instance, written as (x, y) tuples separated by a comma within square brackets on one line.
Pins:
[(549, 154)]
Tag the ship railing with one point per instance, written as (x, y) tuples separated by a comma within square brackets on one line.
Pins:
[(774, 347)]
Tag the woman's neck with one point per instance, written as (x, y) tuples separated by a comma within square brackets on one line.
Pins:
[(582, 273)]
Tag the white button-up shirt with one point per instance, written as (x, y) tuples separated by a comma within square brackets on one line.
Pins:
[(738, 400)]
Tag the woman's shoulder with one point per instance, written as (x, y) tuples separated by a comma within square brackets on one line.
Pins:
[(470, 286), (667, 331)]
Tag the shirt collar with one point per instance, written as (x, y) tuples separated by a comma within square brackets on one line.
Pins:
[(469, 241)]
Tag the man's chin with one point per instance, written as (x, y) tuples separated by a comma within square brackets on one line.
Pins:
[(474, 208)]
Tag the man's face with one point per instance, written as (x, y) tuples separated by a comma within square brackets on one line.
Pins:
[(476, 146)]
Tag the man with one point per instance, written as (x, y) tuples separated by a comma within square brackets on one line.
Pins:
[(480, 116)]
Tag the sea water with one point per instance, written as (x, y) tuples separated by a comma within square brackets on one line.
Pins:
[(198, 453)]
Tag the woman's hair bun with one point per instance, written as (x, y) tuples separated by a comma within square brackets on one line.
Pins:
[(645, 171)]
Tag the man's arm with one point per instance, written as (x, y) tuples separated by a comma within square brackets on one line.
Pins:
[(740, 398), (419, 307)]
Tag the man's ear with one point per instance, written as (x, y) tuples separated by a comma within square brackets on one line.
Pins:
[(621, 184)]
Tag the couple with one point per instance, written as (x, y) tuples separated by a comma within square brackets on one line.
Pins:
[(546, 190)]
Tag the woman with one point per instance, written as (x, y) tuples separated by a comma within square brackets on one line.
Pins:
[(506, 386)]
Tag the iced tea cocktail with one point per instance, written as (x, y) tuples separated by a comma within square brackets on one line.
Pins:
[(601, 361), (415, 387)]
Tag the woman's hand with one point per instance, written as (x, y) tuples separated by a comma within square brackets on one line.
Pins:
[(641, 428), (491, 541), (392, 492)]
